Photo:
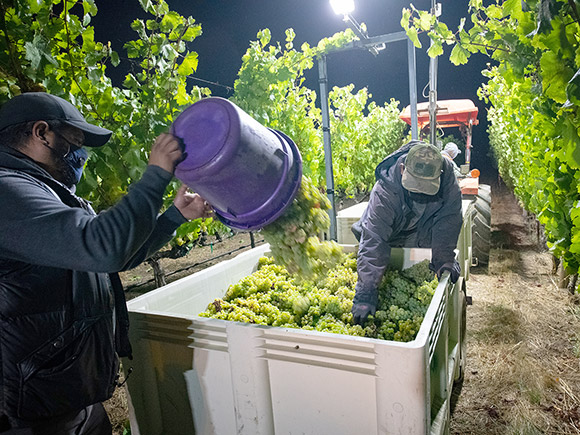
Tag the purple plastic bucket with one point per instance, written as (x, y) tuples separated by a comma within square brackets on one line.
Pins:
[(247, 172)]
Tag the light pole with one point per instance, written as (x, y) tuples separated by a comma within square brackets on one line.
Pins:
[(435, 10), (374, 45)]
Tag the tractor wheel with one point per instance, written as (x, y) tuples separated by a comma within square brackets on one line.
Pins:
[(481, 227)]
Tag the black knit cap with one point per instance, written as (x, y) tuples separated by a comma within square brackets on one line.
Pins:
[(40, 106)]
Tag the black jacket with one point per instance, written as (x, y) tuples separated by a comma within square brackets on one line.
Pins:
[(385, 223), (63, 318)]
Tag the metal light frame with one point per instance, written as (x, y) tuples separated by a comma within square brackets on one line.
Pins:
[(374, 45)]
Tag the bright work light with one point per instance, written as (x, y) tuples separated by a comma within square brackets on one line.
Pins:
[(342, 7)]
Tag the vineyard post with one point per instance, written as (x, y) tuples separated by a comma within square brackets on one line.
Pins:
[(323, 80), (412, 64), (436, 11)]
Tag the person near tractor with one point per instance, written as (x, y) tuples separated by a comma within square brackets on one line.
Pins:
[(63, 318), (415, 202), (451, 151)]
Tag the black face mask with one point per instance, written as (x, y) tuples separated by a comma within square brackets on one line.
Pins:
[(421, 197), (74, 163)]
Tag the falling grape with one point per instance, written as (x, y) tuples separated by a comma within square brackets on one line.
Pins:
[(295, 237)]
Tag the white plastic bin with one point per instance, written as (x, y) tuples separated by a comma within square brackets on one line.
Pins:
[(209, 376), (196, 375), (345, 219)]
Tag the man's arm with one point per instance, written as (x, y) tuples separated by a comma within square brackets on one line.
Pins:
[(374, 251), (186, 207), (36, 227), (163, 232), (447, 222)]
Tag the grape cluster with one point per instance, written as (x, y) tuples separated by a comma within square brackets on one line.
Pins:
[(294, 237), (404, 297), (273, 296)]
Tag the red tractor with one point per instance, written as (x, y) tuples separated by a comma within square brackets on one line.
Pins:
[(462, 114)]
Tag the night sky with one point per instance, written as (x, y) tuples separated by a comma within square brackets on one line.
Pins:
[(229, 25)]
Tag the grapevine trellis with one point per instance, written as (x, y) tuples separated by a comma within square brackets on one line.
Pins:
[(534, 97)]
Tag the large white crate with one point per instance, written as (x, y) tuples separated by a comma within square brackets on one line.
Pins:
[(208, 376), (345, 219)]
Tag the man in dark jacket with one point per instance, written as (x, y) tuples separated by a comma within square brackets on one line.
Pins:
[(63, 318), (416, 202)]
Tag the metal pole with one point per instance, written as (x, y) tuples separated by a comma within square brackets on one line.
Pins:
[(413, 88), (323, 80), (433, 100), (433, 90)]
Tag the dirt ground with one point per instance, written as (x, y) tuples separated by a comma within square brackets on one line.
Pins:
[(523, 332), (523, 337)]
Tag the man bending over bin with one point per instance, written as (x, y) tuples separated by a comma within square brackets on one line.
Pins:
[(415, 203), (63, 318)]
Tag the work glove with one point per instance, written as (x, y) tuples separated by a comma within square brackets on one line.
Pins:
[(361, 311), (453, 268), (356, 229)]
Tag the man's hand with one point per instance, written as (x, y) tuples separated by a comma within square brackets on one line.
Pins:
[(166, 152), (453, 268), (361, 311), (191, 205)]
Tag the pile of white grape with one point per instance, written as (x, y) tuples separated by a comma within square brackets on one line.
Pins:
[(294, 237), (273, 296)]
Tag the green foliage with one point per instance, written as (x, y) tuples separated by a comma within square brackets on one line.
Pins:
[(270, 87), (534, 94), (362, 135), (49, 46)]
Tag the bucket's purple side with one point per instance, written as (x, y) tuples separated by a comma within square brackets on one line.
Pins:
[(248, 172), (280, 199), (210, 131)]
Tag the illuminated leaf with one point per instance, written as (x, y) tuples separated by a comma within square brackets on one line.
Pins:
[(189, 64), (436, 49), (459, 55), (512, 8), (426, 20), (414, 37), (555, 76), (170, 21)]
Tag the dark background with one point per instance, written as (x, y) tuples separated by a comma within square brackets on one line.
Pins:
[(229, 25)]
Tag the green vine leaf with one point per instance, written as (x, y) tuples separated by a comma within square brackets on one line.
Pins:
[(459, 55), (512, 8), (555, 76), (414, 37), (436, 49), (188, 65)]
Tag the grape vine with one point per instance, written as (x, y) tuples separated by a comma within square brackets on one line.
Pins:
[(270, 87), (534, 93)]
